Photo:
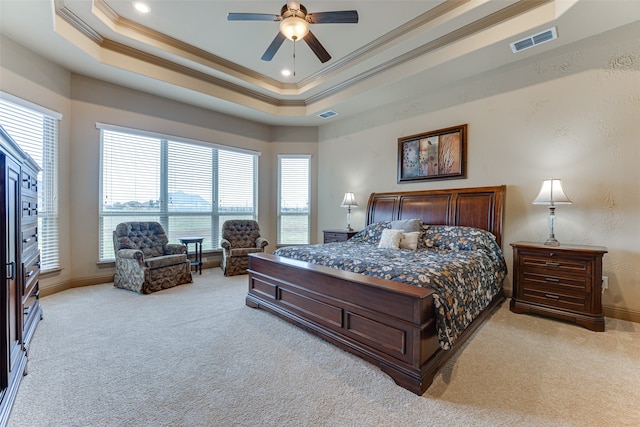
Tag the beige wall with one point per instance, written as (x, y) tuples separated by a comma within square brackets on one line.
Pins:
[(30, 77), (573, 113)]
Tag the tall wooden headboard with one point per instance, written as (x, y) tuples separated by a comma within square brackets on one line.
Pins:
[(481, 207)]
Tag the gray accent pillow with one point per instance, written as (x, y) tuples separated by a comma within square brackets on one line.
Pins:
[(407, 225)]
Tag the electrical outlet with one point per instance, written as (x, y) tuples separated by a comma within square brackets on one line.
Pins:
[(605, 282)]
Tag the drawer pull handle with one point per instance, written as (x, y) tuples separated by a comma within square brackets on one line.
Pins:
[(29, 274), (551, 279), (552, 264), (552, 296), (12, 269)]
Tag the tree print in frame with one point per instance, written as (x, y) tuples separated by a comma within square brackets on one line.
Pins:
[(436, 155)]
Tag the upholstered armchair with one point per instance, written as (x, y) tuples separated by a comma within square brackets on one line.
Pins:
[(240, 237), (145, 261)]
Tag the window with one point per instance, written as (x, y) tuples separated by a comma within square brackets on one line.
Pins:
[(35, 129), (189, 187), (293, 193)]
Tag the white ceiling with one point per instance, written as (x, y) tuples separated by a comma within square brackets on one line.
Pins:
[(188, 51)]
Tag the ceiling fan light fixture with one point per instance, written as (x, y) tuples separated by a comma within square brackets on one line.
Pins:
[(294, 28)]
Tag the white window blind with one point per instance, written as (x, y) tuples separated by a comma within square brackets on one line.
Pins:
[(294, 194), (189, 187), (35, 129)]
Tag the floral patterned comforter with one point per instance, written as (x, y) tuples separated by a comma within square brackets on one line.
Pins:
[(463, 265)]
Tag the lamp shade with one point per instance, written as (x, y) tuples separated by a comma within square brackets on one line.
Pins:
[(349, 200), (294, 28), (551, 193)]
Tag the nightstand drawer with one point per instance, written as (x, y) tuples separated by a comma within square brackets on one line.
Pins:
[(332, 236), (565, 301), (550, 280), (554, 264), (335, 237)]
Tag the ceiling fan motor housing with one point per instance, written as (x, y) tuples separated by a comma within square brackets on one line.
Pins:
[(287, 12)]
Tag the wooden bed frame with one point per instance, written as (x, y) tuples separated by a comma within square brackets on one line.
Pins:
[(389, 324)]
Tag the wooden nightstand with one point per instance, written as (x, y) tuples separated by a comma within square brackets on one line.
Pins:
[(564, 282), (331, 236)]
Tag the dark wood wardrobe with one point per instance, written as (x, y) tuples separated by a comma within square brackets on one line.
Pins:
[(20, 256)]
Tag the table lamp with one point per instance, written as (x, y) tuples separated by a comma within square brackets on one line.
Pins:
[(349, 201), (552, 194)]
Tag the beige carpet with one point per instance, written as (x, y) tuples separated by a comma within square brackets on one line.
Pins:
[(195, 355)]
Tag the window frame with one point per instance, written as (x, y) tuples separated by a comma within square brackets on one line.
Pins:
[(48, 177), (165, 214), (279, 238)]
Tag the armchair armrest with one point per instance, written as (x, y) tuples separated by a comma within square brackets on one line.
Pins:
[(225, 244), (175, 248), (131, 254), (261, 242)]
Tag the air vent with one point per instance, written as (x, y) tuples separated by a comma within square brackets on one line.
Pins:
[(327, 114), (534, 40)]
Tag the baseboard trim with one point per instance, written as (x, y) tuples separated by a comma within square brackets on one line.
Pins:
[(75, 283), (621, 313)]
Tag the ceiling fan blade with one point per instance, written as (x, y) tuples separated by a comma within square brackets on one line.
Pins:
[(317, 47), (252, 17), (338, 17), (273, 47)]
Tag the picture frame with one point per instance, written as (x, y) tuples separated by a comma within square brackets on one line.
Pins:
[(435, 155)]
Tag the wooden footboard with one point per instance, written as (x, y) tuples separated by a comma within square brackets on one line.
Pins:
[(391, 325)]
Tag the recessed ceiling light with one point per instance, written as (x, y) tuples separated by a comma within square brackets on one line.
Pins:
[(285, 72), (141, 7)]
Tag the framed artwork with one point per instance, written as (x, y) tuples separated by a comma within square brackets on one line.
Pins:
[(435, 155)]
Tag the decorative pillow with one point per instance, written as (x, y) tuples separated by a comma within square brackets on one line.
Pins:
[(423, 241), (371, 233), (407, 225), (410, 240), (390, 239), (459, 238)]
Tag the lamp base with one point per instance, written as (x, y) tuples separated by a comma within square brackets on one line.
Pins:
[(552, 242)]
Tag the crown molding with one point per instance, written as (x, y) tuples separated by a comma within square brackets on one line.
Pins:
[(202, 67)]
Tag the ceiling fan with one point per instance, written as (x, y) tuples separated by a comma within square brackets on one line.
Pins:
[(294, 25)]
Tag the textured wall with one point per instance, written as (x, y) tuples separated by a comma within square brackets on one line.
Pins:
[(571, 113), (28, 76)]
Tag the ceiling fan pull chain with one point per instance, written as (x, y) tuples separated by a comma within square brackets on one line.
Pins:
[(294, 58)]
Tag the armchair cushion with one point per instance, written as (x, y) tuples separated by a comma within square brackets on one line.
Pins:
[(165, 260), (245, 251)]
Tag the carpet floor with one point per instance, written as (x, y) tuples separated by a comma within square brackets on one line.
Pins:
[(195, 355)]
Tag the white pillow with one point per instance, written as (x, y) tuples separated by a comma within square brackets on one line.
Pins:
[(390, 239), (410, 240)]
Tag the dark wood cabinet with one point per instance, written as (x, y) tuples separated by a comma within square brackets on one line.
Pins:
[(563, 282), (331, 236), (20, 257)]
